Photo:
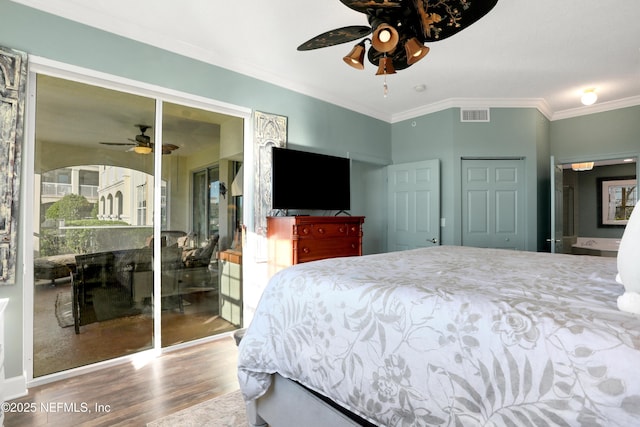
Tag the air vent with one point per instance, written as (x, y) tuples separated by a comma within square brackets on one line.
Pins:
[(474, 115)]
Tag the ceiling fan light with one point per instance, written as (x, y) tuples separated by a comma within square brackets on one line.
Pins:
[(142, 149), (589, 97), (385, 66), (385, 38), (415, 50), (355, 58)]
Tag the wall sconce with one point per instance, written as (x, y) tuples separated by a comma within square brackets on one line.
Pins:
[(223, 189), (589, 97)]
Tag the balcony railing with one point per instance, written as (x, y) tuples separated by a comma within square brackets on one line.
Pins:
[(89, 191), (55, 189), (58, 189)]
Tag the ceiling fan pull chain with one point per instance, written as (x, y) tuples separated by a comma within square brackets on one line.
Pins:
[(385, 90)]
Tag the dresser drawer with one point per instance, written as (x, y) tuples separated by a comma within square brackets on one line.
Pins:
[(322, 231), (304, 238), (315, 249)]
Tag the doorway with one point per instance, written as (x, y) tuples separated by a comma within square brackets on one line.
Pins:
[(588, 198), (112, 192)]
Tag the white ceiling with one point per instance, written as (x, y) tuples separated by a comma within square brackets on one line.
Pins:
[(529, 53)]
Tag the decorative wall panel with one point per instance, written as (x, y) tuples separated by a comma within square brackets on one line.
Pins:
[(13, 79), (269, 131)]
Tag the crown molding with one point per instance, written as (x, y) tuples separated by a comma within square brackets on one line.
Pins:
[(537, 103), (596, 108), (166, 42)]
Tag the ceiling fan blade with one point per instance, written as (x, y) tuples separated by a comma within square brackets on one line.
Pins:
[(363, 6), (334, 37), (116, 143), (446, 18), (169, 147)]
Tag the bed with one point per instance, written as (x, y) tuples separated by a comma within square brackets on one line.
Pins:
[(446, 336)]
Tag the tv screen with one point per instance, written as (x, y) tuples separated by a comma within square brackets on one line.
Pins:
[(303, 180)]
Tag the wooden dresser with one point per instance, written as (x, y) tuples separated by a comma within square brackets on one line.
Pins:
[(298, 239)]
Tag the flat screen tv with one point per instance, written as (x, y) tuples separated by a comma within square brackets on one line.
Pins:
[(304, 180)]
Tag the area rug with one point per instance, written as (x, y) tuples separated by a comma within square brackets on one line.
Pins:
[(64, 310), (227, 410)]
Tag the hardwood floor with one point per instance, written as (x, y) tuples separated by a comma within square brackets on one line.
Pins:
[(126, 395), (58, 349)]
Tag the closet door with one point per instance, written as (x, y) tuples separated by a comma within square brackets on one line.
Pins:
[(493, 203)]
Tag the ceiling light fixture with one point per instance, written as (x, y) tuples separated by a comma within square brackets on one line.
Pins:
[(355, 58), (589, 96), (385, 38), (385, 67), (584, 166), (415, 50), (399, 30), (142, 149)]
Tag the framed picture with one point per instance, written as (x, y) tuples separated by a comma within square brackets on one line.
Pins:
[(618, 197)]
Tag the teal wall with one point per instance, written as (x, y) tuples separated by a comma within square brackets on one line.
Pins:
[(601, 136), (311, 122), (510, 133), (611, 134)]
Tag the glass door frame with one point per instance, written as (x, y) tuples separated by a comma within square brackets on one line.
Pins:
[(39, 65)]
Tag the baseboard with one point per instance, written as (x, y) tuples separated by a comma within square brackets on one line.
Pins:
[(14, 388)]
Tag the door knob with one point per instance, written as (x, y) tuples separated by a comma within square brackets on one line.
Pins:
[(434, 240)]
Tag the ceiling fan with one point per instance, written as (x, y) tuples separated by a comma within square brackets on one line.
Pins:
[(142, 143), (399, 29)]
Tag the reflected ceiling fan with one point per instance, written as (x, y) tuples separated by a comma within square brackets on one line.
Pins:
[(400, 28), (142, 143)]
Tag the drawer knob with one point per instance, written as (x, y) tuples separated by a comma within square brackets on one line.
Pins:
[(341, 229), (306, 250), (321, 230)]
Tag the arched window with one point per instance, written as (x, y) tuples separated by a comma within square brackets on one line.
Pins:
[(110, 202), (103, 207), (119, 208)]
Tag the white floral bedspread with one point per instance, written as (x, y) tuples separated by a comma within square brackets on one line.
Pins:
[(452, 336)]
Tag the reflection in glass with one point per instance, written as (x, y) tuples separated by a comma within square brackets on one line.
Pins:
[(94, 244), (92, 225), (192, 233)]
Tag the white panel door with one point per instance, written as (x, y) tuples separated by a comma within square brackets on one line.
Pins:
[(414, 205), (493, 197)]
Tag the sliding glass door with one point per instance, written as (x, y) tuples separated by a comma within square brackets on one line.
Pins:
[(191, 234), (95, 242), (93, 223)]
